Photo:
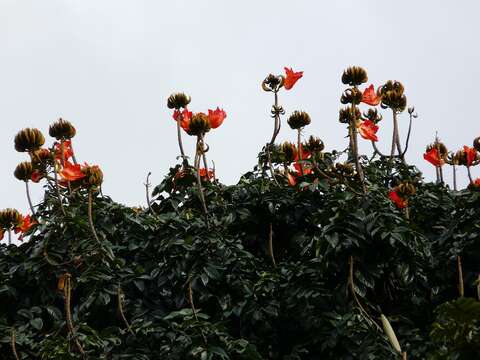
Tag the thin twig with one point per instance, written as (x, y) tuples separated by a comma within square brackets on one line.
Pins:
[(299, 150), (120, 296), (461, 290), (13, 344), (354, 294), (27, 190), (199, 182), (90, 217), (57, 187), (469, 175), (147, 192), (180, 143), (68, 312), (194, 310), (408, 136), (454, 177), (270, 245)]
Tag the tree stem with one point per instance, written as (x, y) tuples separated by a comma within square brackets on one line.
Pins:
[(27, 190), (299, 150), (90, 217)]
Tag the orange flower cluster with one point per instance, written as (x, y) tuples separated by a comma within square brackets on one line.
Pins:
[(215, 118)]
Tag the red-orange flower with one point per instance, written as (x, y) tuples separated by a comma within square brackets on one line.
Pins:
[(216, 117), (306, 168), (397, 200), (370, 96), (71, 172), (204, 174), (291, 77), (2, 233), (67, 150), (433, 157), (24, 226), (186, 116), (477, 182), (36, 176), (305, 154), (368, 130), (471, 154)]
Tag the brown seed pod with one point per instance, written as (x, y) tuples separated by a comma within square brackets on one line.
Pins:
[(93, 175), (373, 115), (289, 151), (346, 115), (406, 189), (178, 101), (28, 140), (314, 145), (23, 171), (41, 157), (351, 96), (199, 124), (10, 218), (391, 85), (62, 130), (272, 82), (392, 96), (298, 119), (354, 76), (476, 143)]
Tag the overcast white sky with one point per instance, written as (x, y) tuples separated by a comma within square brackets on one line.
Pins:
[(109, 66)]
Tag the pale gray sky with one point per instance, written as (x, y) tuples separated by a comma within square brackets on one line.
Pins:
[(109, 66)]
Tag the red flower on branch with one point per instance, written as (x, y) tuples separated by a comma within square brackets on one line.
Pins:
[(397, 200), (433, 157), (67, 150), (291, 78), (71, 172), (470, 154), (185, 117), (24, 226), (370, 96), (216, 117), (306, 168), (36, 176), (368, 130), (204, 174)]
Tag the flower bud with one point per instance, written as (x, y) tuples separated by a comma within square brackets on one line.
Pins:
[(93, 175), (199, 124), (28, 140), (373, 115), (392, 96), (354, 76), (298, 119), (41, 157), (346, 116), (272, 82), (24, 171), (62, 130), (10, 218), (406, 189), (476, 143), (314, 145), (289, 151), (351, 96), (178, 101)]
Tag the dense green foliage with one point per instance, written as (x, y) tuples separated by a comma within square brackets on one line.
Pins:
[(155, 261)]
